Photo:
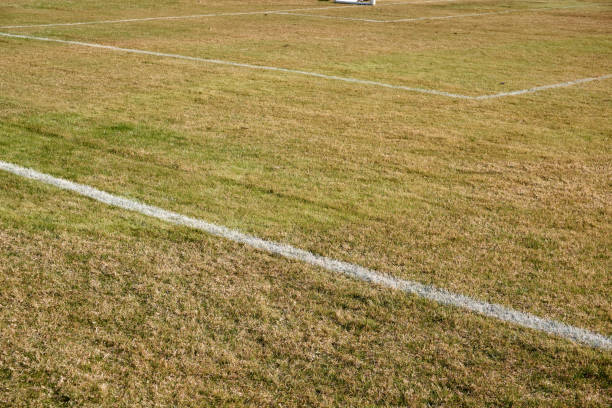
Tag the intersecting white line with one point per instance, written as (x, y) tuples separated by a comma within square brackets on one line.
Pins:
[(309, 73), (196, 16), (352, 270)]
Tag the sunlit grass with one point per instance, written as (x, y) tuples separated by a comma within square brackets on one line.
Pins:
[(504, 200)]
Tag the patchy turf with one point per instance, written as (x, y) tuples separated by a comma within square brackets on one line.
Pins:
[(505, 200), (107, 308)]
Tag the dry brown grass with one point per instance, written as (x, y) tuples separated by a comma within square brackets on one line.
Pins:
[(105, 308), (505, 200)]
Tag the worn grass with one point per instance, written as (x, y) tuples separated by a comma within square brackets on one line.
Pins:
[(505, 200), (107, 308)]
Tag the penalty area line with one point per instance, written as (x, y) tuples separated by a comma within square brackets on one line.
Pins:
[(333, 265), (196, 16), (239, 65), (544, 87), (310, 73)]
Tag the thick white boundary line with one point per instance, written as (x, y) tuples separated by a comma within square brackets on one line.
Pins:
[(355, 271), (308, 73), (195, 16), (417, 19)]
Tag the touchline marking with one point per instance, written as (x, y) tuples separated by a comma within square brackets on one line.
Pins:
[(355, 271), (195, 16), (416, 19), (308, 73)]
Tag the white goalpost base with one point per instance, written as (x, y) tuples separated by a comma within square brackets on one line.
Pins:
[(358, 2)]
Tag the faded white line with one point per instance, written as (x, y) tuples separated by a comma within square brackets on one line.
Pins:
[(240, 65), (417, 19), (544, 87), (196, 16), (311, 74), (355, 271)]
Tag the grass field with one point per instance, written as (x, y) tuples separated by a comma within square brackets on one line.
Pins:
[(506, 200)]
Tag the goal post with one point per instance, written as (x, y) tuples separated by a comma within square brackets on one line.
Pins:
[(358, 2)]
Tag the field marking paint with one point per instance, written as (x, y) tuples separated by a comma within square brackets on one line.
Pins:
[(352, 270), (294, 12), (544, 87), (417, 19), (239, 64), (196, 16), (309, 73)]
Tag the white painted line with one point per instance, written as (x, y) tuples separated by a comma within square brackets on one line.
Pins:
[(309, 73), (355, 271), (134, 20), (196, 16), (241, 65), (544, 87), (417, 19)]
